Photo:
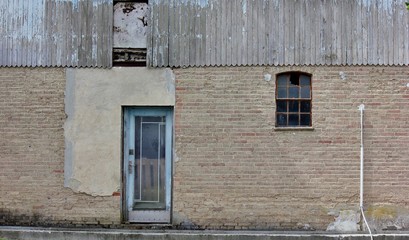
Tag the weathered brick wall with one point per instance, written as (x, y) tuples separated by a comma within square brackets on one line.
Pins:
[(32, 154), (233, 170)]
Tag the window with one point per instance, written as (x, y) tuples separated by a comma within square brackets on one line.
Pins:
[(130, 31), (293, 100)]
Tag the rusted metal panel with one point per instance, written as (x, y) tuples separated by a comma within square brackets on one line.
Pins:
[(279, 32), (72, 33)]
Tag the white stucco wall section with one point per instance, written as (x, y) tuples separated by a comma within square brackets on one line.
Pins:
[(93, 134)]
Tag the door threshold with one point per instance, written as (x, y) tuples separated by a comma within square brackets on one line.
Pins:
[(147, 226)]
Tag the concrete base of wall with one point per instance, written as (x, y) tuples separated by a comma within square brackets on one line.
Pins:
[(14, 233)]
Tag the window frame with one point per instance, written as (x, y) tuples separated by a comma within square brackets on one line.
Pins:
[(290, 100)]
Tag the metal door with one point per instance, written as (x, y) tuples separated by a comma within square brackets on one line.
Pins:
[(147, 164)]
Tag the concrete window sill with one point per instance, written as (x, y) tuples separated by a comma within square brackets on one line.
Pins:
[(293, 128)]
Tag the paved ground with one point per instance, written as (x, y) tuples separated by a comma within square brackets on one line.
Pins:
[(23, 233)]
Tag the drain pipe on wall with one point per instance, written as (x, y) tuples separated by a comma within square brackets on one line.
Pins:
[(361, 199)]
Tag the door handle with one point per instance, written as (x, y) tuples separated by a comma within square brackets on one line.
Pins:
[(130, 162), (130, 166)]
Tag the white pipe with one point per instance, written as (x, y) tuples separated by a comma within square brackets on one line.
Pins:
[(361, 189), (366, 223)]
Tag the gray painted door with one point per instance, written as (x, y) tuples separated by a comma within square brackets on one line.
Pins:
[(147, 164)]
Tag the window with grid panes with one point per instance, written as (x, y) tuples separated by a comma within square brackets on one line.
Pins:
[(293, 99)]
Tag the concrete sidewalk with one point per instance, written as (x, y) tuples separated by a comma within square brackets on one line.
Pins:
[(23, 233)]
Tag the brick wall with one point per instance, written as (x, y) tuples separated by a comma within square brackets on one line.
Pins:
[(32, 154), (233, 170)]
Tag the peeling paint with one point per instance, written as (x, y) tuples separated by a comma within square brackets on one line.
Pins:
[(267, 77), (203, 3), (244, 7), (183, 222), (130, 25), (170, 80), (343, 76), (346, 221), (74, 184)]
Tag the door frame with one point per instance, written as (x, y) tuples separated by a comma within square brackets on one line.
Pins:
[(145, 216)]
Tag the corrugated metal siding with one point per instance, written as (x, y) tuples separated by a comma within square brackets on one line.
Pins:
[(73, 33), (278, 32)]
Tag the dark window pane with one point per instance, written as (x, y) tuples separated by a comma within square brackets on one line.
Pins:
[(305, 106), (282, 80), (281, 106), (150, 153), (137, 193), (293, 106), (305, 120), (293, 92), (305, 80), (281, 120), (294, 79), (282, 92), (293, 120), (153, 119), (162, 142), (305, 92), (150, 141), (137, 135)]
